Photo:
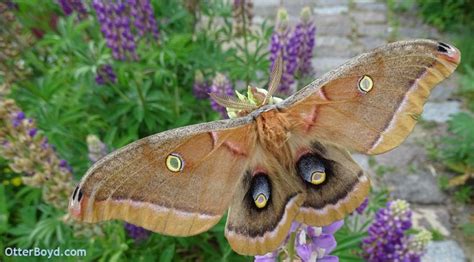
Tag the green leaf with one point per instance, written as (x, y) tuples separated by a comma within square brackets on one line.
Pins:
[(167, 254), (3, 210)]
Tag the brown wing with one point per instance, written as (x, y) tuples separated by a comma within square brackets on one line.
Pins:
[(341, 189), (371, 103), (255, 227), (283, 179), (178, 182)]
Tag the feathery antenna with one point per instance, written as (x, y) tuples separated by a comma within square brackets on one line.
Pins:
[(275, 78)]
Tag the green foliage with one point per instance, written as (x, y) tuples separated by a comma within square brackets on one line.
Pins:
[(464, 194), (467, 86), (151, 95), (447, 14), (458, 151), (468, 229), (436, 235)]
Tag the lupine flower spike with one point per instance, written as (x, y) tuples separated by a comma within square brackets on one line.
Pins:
[(304, 34), (221, 86), (29, 153), (200, 87), (360, 209), (71, 6), (242, 14), (105, 74), (120, 21), (96, 148), (281, 45), (388, 239), (136, 232)]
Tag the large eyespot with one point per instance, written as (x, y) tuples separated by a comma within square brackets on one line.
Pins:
[(261, 190), (365, 84), (174, 162), (311, 169)]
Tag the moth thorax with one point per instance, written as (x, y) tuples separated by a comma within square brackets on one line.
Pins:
[(273, 130)]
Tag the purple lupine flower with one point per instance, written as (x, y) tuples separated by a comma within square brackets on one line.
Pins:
[(387, 240), (105, 74), (269, 257), (44, 143), (32, 132), (282, 44), (70, 6), (144, 18), (305, 32), (311, 243), (360, 209), (136, 232), (119, 20), (417, 245), (18, 118), (315, 243), (200, 86), (220, 86), (64, 164)]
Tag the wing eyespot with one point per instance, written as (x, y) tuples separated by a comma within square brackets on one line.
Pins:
[(365, 84), (174, 162), (311, 169), (75, 192), (260, 190)]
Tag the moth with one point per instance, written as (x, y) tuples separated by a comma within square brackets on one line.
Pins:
[(277, 161)]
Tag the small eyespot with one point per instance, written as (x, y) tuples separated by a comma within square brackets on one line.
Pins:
[(444, 45), (365, 84), (260, 190), (79, 196), (442, 49), (311, 169), (75, 192), (174, 162)]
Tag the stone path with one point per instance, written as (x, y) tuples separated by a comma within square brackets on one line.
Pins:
[(346, 28)]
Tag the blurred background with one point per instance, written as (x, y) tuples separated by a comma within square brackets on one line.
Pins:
[(81, 78)]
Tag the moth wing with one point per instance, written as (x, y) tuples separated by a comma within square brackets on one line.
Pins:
[(341, 188), (256, 230), (371, 103), (178, 182)]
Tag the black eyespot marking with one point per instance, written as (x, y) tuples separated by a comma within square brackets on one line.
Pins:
[(75, 192), (444, 45), (311, 168), (442, 49), (260, 190), (79, 196)]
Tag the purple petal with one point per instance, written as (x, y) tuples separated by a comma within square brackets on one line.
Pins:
[(327, 242), (332, 228), (328, 259), (269, 257), (294, 226), (304, 251)]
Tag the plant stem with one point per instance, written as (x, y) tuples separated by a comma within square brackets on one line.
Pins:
[(246, 44), (121, 94), (140, 94), (291, 246)]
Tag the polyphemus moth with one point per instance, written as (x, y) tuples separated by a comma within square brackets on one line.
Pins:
[(277, 161)]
